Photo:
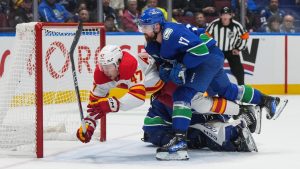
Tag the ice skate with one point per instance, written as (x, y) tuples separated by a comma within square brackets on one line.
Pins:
[(176, 149), (273, 105)]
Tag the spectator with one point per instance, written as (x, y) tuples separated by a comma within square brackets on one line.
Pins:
[(50, 11), (273, 25), (109, 11), (118, 6), (200, 20), (110, 24), (251, 22), (70, 5), (153, 4), (287, 25), (141, 4), (271, 10), (82, 5), (84, 15), (4, 10), (205, 6), (251, 5), (181, 8), (21, 12), (130, 17)]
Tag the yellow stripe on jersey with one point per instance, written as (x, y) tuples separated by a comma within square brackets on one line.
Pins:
[(224, 104), (156, 87), (219, 105), (138, 91), (215, 102), (139, 96), (138, 87)]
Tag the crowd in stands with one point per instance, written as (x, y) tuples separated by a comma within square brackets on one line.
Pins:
[(122, 15)]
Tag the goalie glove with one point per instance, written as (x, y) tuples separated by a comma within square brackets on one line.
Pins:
[(90, 127), (102, 106)]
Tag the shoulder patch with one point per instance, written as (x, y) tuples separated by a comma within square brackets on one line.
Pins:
[(167, 33)]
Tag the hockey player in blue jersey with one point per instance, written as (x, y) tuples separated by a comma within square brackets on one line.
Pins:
[(197, 65), (214, 131)]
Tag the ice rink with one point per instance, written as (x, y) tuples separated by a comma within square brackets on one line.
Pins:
[(278, 147)]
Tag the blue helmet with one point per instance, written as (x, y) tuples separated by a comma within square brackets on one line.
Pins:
[(152, 16)]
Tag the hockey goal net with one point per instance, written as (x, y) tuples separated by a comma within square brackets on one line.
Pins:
[(37, 96)]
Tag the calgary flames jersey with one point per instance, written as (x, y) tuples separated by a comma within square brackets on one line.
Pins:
[(138, 74)]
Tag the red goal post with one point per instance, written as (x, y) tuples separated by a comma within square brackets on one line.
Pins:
[(39, 92)]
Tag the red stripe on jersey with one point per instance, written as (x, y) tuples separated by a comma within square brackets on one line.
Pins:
[(219, 105), (155, 88), (137, 95), (138, 91)]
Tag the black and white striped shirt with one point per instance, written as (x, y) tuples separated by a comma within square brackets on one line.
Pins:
[(230, 37)]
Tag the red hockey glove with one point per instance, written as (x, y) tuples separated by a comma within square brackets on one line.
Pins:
[(90, 127), (103, 106)]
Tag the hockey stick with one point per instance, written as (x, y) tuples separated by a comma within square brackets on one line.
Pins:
[(72, 49)]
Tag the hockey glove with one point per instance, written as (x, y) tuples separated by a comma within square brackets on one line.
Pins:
[(103, 106), (178, 74), (164, 72), (90, 127)]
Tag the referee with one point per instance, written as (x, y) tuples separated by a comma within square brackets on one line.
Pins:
[(231, 39)]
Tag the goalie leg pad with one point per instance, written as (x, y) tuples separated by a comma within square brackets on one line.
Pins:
[(218, 132), (245, 142)]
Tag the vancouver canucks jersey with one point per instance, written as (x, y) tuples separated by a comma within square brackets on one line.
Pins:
[(182, 43)]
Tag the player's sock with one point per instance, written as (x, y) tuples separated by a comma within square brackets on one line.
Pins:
[(176, 149)]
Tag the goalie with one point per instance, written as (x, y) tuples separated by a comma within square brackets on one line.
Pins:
[(215, 131)]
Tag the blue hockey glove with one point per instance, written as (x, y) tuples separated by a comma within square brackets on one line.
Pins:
[(164, 72), (178, 74)]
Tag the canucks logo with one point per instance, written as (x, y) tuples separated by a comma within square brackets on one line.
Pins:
[(167, 33)]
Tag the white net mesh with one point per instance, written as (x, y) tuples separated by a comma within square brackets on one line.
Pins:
[(60, 109)]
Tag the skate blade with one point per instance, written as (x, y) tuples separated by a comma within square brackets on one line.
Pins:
[(250, 140), (166, 156), (258, 115), (281, 106)]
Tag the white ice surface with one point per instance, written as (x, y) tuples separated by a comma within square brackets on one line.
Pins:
[(278, 145)]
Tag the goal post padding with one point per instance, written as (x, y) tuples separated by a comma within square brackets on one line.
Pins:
[(38, 100)]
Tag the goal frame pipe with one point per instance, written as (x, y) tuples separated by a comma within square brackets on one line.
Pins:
[(39, 82)]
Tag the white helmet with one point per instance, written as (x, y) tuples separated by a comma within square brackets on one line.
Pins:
[(110, 54)]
